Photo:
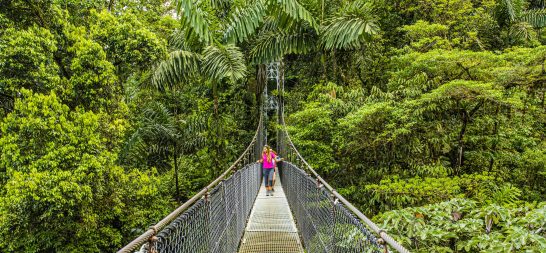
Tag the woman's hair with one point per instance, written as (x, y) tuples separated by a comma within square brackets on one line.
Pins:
[(267, 153)]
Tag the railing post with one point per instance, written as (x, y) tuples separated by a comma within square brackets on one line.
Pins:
[(226, 215), (384, 244), (336, 201), (152, 247), (207, 219)]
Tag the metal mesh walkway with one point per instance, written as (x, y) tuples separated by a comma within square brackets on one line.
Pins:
[(271, 227)]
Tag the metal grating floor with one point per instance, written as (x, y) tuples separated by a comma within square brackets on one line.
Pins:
[(271, 227)]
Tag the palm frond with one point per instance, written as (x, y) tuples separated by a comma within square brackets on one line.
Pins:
[(195, 131), (536, 18), (177, 40), (195, 19), (220, 4), (156, 112), (350, 27), (178, 67), (245, 22), (224, 61), (522, 31), (273, 45), (508, 11), (511, 8), (295, 10)]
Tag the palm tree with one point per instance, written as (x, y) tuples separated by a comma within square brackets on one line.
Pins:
[(166, 135), (267, 30)]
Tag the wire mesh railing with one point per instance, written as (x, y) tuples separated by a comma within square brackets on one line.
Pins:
[(214, 219), (326, 220), (324, 223), (217, 222)]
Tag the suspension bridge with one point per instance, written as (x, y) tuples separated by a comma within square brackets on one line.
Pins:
[(233, 213)]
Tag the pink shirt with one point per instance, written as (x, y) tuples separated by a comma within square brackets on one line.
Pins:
[(266, 164)]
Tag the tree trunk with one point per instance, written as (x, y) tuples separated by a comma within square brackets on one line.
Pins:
[(461, 142), (466, 116), (334, 60), (110, 5), (261, 81), (495, 134), (542, 103), (175, 158), (218, 140)]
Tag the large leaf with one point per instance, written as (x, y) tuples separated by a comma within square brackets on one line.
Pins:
[(295, 10), (508, 11), (350, 27), (522, 31), (195, 19), (224, 61), (273, 45), (537, 18), (511, 8), (176, 69), (245, 22)]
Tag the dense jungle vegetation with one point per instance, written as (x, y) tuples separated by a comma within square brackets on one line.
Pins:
[(428, 115)]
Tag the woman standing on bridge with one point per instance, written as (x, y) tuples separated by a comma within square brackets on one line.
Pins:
[(268, 171)]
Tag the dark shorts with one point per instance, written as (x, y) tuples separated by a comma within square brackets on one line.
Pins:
[(268, 176)]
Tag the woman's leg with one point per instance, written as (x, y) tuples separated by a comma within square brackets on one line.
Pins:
[(273, 179), (267, 184), (270, 178)]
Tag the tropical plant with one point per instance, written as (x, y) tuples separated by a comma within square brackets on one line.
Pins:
[(164, 135)]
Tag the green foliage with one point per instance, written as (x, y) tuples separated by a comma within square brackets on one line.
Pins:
[(93, 83), (429, 114), (27, 61), (130, 44), (297, 11), (195, 19), (244, 22), (353, 24), (62, 179), (221, 62), (179, 68), (425, 36), (461, 225), (273, 45), (311, 128)]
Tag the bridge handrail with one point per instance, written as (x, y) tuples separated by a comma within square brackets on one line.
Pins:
[(153, 230), (387, 238)]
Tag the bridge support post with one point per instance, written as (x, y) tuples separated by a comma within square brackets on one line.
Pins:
[(206, 197), (152, 247), (334, 225), (382, 242)]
